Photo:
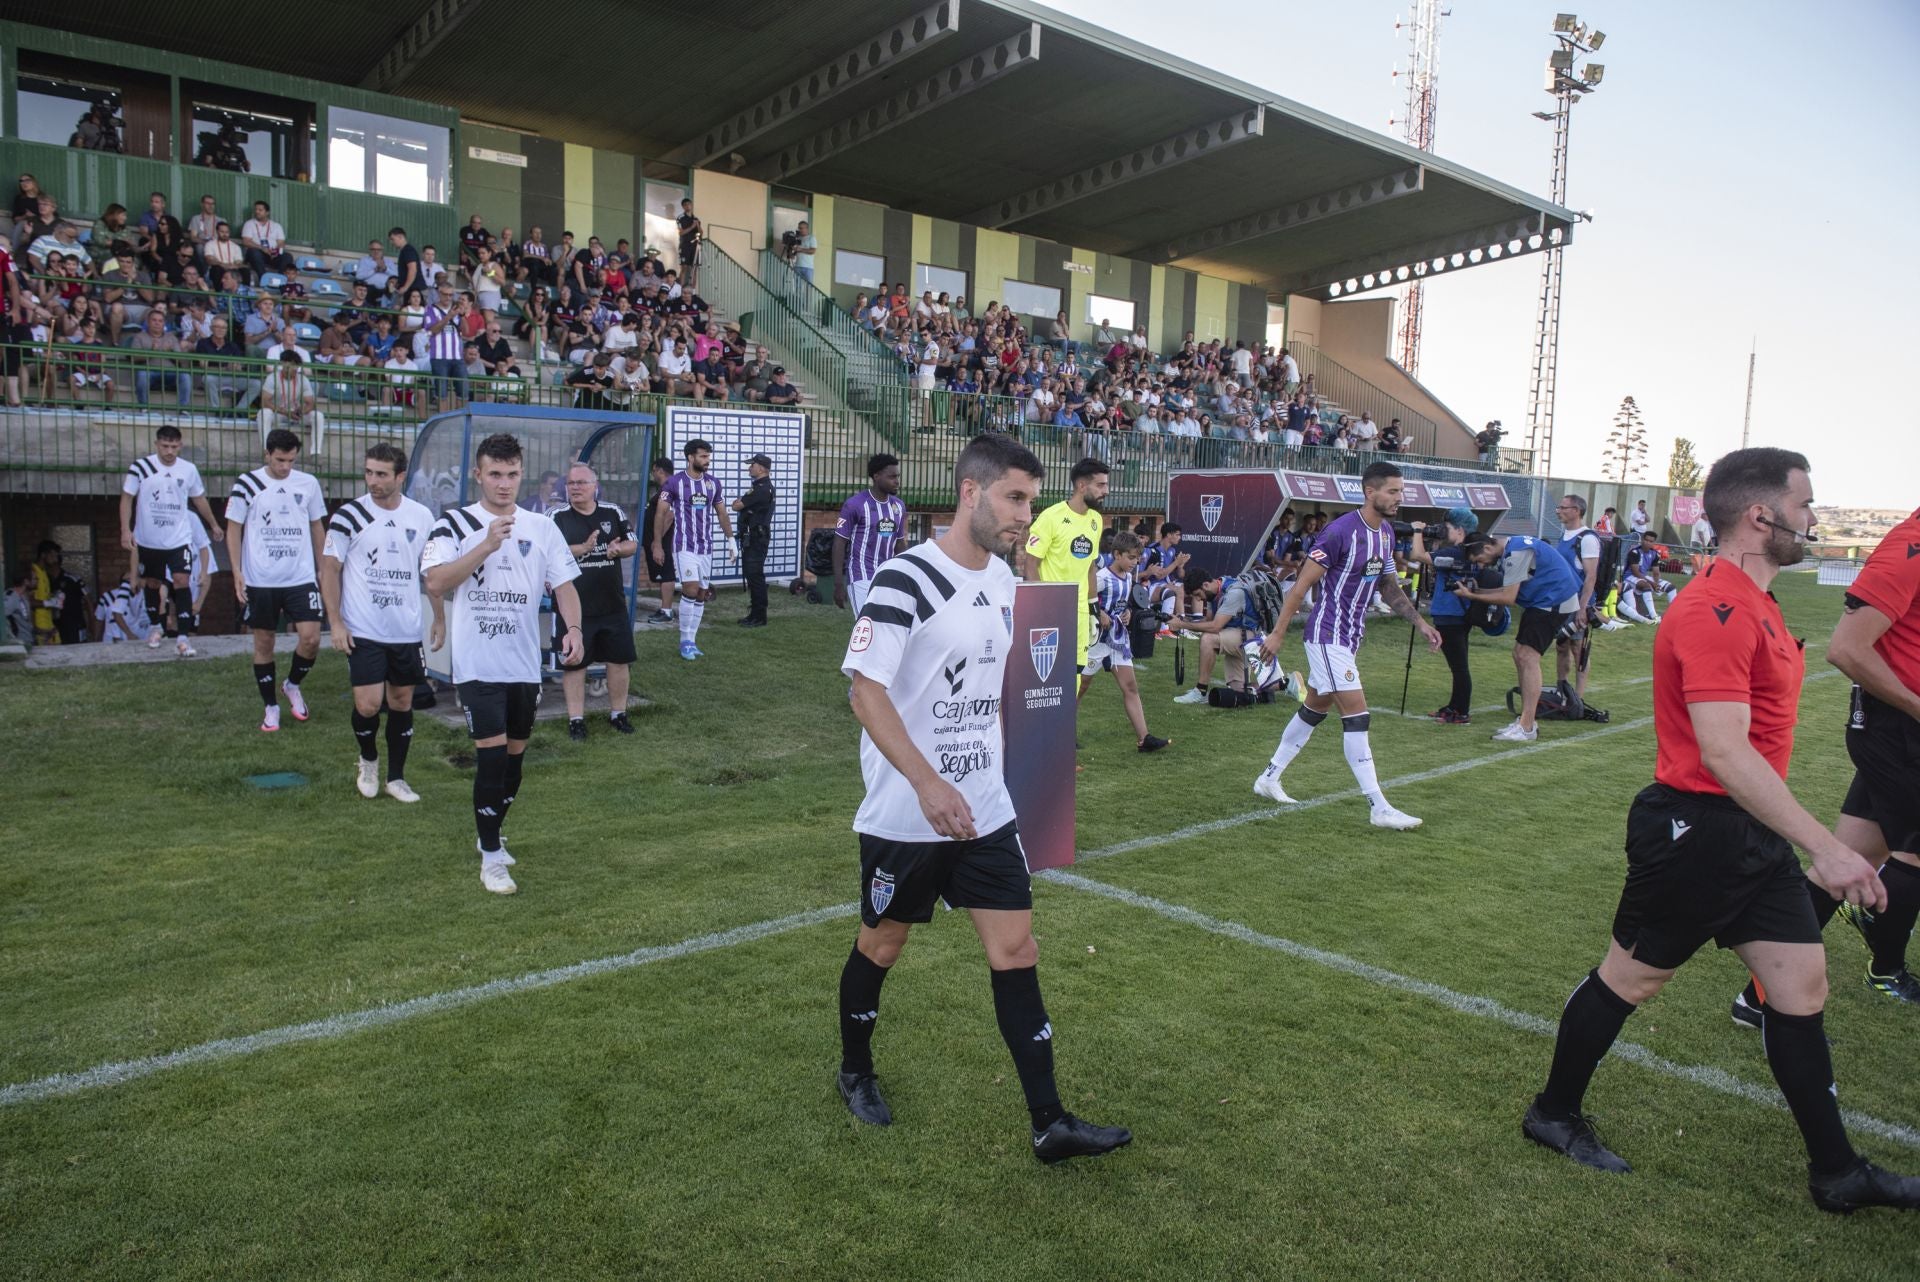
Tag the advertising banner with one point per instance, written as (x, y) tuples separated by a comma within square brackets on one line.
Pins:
[(1687, 508), (737, 434), (1037, 706), (1224, 517)]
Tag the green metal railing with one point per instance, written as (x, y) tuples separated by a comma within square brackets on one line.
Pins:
[(872, 361), (1335, 382), (764, 317)]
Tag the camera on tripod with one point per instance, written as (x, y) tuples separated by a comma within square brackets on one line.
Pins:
[(789, 245), (222, 149)]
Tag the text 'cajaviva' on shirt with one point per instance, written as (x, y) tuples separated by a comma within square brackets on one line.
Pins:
[(493, 616), (161, 495), (379, 553), (276, 549)]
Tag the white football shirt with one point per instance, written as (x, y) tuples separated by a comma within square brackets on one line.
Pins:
[(161, 513), (935, 635), (379, 551), (276, 548), (493, 624)]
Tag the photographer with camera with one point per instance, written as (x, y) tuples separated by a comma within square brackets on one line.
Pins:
[(1488, 439), (1452, 615), (1541, 584)]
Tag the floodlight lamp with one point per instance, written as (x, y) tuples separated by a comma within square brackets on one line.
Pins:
[(1595, 39), (1561, 60), (1543, 115), (1565, 22), (1593, 73)]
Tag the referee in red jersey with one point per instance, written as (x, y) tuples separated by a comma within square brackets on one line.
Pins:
[(1710, 841)]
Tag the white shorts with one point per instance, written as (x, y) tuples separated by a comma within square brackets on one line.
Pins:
[(857, 593), (1331, 667), (1104, 656), (693, 567)]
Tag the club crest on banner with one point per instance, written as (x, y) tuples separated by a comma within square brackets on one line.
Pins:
[(1043, 645), (1211, 506)]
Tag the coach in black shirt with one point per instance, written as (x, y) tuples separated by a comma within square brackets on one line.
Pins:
[(598, 536), (756, 535)]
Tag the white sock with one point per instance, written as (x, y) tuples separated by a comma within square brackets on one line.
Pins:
[(690, 613), (1292, 739), (1359, 750)]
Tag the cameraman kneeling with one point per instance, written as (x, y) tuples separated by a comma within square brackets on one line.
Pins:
[(1538, 581)]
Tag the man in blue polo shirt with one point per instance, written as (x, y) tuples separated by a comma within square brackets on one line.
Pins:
[(1541, 584)]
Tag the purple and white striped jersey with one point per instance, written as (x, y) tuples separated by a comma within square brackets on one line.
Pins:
[(693, 503), (1354, 555), (1114, 596), (871, 526)]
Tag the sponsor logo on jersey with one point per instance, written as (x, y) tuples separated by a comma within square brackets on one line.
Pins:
[(980, 598), (1681, 828), (956, 676), (1043, 647), (1723, 612), (1082, 546), (1211, 506), (862, 635), (1373, 567)]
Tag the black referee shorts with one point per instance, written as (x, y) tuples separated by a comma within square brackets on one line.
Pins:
[(1700, 868), (1884, 744), (1538, 628), (604, 638), (393, 663), (499, 708), (899, 880)]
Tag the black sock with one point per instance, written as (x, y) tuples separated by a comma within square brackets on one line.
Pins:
[(155, 614), (860, 981), (489, 774), (183, 610), (510, 782), (263, 674), (297, 671), (1894, 923), (364, 728), (1029, 1035), (399, 739), (1824, 905), (1591, 1021), (1803, 1066)]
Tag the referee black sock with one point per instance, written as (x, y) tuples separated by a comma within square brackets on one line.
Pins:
[(1803, 1066), (1029, 1035), (489, 775), (263, 676), (399, 739), (298, 669), (860, 981), (1593, 1018), (364, 728), (510, 781), (1894, 923)]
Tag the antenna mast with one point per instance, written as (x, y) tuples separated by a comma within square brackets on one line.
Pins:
[(1422, 30), (1746, 422)]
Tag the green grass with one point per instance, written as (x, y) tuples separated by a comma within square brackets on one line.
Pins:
[(678, 1120)]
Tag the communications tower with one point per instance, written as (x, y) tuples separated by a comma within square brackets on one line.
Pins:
[(1422, 31)]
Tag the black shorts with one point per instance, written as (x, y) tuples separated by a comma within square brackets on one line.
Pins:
[(659, 571), (162, 563), (267, 606), (14, 340), (1538, 628), (1700, 868), (899, 880), (604, 638), (394, 663), (1884, 744), (499, 708)]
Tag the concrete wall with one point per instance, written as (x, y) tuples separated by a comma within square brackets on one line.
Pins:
[(734, 211), (1359, 335)]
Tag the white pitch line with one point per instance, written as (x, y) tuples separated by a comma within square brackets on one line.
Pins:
[(357, 1021), (1484, 1007), (1314, 803)]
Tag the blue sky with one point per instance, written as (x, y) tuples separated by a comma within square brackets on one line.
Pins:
[(1750, 171)]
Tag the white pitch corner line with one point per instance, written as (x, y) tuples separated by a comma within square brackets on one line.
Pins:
[(1483, 1007), (334, 1026)]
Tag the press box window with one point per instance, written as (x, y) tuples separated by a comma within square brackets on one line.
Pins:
[(387, 156), (1116, 312), (862, 271)]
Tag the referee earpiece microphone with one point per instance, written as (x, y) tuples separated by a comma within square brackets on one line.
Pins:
[(1804, 538)]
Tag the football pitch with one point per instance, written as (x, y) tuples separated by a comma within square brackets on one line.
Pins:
[(286, 1034)]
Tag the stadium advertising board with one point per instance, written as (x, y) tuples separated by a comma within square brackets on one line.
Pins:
[(1224, 517), (1315, 487), (737, 434), (1037, 698)]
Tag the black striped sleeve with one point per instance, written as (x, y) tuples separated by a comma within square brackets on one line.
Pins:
[(460, 516), (902, 582), (366, 517), (340, 527), (246, 484), (937, 579), (346, 514), (887, 614), (442, 531)]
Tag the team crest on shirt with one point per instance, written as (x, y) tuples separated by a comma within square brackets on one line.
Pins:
[(880, 891), (1043, 646), (526, 546), (410, 533), (606, 528), (1006, 617), (1211, 506)]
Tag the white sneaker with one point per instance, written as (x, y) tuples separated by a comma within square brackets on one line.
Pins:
[(496, 878), (367, 779), (184, 648), (296, 701), (271, 720), (500, 856), (1514, 732), (153, 639), (1296, 687), (1388, 817), (1191, 696), (400, 790), (1268, 786)]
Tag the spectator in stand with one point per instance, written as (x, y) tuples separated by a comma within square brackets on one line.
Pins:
[(126, 291), (805, 249), (87, 368), (473, 238), (432, 270), (374, 270), (110, 229), (496, 353), (26, 208), (264, 241), (489, 279), (710, 377), (336, 342), (693, 234), (1365, 433), (287, 401), (288, 340), (446, 346), (157, 363), (406, 264), (1390, 439), (224, 253), (536, 259), (202, 226), (219, 369), (780, 391), (264, 326), (62, 239), (674, 376), (593, 383)]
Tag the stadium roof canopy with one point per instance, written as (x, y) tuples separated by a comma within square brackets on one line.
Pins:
[(996, 112)]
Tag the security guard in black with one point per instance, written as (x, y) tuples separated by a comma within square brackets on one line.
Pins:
[(756, 536)]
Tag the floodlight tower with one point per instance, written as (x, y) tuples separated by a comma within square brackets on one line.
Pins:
[(1568, 84), (1422, 30)]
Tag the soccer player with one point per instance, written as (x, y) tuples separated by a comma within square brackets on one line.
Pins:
[(1352, 557), (155, 523), (689, 504), (1065, 538), (496, 560), (1112, 650), (1541, 584), (1161, 565), (1710, 841), (276, 522), (937, 821), (597, 535), (870, 529), (1640, 579), (370, 581), (659, 570), (1573, 648)]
